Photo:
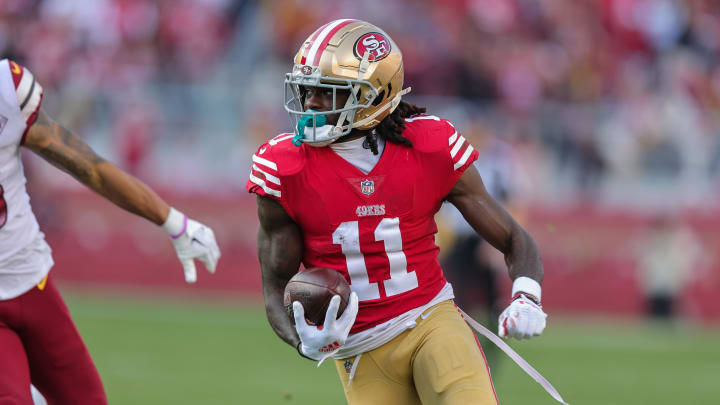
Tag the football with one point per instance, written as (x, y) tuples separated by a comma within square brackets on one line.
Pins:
[(314, 288)]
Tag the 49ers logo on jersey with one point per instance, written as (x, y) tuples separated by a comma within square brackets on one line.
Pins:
[(375, 43)]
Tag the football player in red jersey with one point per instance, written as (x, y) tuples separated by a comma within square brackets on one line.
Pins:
[(39, 342), (355, 188)]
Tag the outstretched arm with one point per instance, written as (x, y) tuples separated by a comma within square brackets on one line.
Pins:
[(280, 248), (66, 151)]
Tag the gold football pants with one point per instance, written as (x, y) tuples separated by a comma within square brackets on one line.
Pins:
[(439, 361)]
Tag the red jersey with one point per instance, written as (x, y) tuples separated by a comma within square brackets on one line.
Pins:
[(377, 229)]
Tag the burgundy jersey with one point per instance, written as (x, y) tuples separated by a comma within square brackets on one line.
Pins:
[(377, 229)]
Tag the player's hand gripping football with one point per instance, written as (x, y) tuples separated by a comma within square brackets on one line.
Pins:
[(522, 319), (192, 240), (321, 342)]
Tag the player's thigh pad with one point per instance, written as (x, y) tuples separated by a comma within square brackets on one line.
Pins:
[(382, 376), (59, 361), (14, 371), (449, 366)]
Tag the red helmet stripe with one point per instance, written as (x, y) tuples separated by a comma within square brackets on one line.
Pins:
[(310, 41), (323, 39)]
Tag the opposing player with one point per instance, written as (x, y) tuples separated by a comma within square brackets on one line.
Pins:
[(39, 342), (355, 189)]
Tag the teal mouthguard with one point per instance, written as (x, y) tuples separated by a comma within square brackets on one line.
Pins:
[(307, 121)]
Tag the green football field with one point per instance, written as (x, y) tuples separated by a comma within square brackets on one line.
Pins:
[(210, 352)]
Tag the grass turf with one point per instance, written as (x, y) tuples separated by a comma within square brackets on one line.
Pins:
[(206, 352)]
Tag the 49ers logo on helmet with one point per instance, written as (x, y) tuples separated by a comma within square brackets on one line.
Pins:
[(376, 44)]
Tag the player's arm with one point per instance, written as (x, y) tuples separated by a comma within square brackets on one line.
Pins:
[(524, 317), (68, 152), (280, 248), (494, 224)]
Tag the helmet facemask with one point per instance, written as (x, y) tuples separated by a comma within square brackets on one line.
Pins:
[(351, 56), (309, 126)]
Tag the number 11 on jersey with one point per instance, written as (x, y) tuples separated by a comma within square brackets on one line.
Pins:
[(347, 235)]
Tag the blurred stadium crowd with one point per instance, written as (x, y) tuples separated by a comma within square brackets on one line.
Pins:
[(598, 122), (609, 100)]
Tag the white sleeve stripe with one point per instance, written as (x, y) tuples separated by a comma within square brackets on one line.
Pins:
[(280, 138), (425, 117), (261, 183), (24, 87), (264, 162), (269, 177), (30, 92), (453, 137), (464, 157), (457, 146)]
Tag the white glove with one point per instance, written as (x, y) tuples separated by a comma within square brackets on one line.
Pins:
[(321, 342), (522, 319), (192, 240)]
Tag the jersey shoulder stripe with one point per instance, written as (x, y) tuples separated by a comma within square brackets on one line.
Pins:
[(262, 161), (274, 159), (263, 173), (431, 134), (28, 91), (422, 117), (262, 184), (464, 157), (461, 150), (281, 155)]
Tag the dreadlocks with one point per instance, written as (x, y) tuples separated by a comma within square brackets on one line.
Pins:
[(392, 127)]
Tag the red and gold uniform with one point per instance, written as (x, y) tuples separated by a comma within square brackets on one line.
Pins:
[(378, 231)]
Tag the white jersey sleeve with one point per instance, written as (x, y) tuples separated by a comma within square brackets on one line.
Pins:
[(28, 92), (24, 257)]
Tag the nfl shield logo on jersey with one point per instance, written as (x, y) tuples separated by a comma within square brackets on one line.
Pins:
[(367, 187)]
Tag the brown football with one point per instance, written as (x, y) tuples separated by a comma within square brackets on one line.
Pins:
[(314, 288)]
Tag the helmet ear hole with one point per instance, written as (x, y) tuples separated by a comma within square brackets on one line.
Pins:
[(383, 95), (379, 99)]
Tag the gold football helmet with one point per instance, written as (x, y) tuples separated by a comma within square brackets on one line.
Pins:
[(350, 55)]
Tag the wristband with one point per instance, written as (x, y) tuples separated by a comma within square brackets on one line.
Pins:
[(175, 224), (526, 296), (528, 286)]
